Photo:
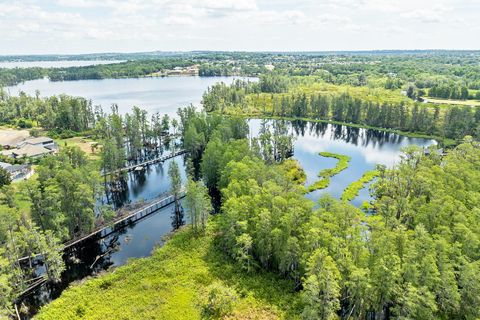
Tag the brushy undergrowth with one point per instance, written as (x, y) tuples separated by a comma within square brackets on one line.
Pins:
[(176, 283), (326, 174)]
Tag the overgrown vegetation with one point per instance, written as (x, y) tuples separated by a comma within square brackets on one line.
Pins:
[(186, 279), (326, 174), (419, 260), (354, 188), (270, 252)]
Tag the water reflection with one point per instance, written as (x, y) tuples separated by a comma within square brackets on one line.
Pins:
[(366, 147), (128, 240)]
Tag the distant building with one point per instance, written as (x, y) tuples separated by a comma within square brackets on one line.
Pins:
[(31, 151), (269, 67), (32, 148), (17, 171)]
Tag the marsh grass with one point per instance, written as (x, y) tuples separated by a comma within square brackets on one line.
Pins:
[(173, 284)]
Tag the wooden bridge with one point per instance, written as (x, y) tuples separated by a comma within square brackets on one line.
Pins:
[(130, 217), (142, 165)]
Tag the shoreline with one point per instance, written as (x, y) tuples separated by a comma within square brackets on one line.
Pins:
[(438, 139)]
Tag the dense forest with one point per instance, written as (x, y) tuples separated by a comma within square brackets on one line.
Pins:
[(415, 257)]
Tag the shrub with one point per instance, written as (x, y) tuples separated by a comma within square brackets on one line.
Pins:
[(220, 300)]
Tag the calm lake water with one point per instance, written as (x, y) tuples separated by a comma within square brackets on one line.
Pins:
[(366, 148), (54, 64), (162, 94)]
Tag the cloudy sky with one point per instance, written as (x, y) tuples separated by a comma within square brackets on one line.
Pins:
[(84, 26)]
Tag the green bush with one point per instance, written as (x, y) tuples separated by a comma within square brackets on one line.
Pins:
[(220, 300), (23, 124)]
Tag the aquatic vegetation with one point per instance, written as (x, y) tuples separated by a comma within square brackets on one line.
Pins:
[(326, 174), (354, 188), (294, 171)]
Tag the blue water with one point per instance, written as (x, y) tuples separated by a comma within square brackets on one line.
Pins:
[(366, 147), (162, 94)]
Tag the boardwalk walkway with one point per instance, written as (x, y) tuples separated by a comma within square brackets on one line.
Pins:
[(146, 163), (125, 219)]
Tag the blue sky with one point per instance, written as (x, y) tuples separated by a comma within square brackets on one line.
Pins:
[(83, 26)]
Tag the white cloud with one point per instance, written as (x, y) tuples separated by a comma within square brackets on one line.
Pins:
[(243, 5), (434, 14), (135, 25), (179, 20)]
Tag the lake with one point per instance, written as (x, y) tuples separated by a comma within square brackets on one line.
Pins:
[(156, 94), (366, 148), (54, 64)]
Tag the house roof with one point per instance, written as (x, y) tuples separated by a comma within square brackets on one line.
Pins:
[(4, 165), (37, 140), (30, 150), (16, 167)]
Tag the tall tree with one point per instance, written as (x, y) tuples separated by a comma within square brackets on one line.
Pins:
[(198, 204)]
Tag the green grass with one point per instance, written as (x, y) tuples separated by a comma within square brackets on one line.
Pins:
[(172, 284), (452, 101), (84, 144), (354, 188), (326, 174)]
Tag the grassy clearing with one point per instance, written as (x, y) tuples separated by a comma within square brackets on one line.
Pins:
[(84, 144), (468, 103), (354, 188), (326, 174), (375, 95), (173, 284)]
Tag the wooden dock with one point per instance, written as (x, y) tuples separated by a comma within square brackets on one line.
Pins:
[(146, 163)]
